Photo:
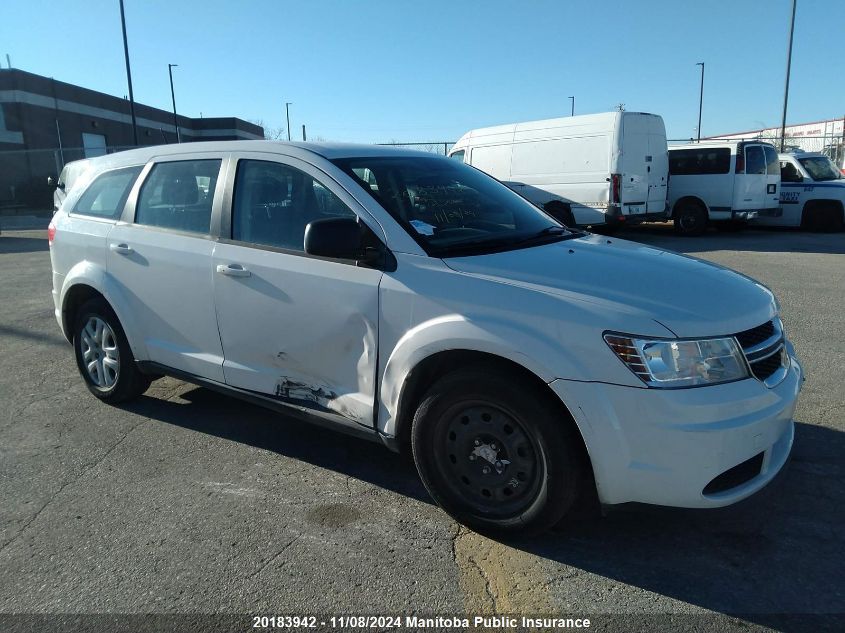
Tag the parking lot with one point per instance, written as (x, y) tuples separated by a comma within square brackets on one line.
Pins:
[(186, 501)]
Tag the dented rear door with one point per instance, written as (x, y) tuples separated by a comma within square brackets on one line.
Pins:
[(295, 328)]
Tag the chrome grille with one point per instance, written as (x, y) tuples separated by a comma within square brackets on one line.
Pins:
[(765, 350)]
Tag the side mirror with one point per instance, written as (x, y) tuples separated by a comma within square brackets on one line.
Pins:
[(50, 181), (339, 238)]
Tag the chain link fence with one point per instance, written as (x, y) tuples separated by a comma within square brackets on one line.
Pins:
[(24, 173)]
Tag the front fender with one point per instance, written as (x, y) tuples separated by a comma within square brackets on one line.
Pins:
[(97, 277), (528, 348)]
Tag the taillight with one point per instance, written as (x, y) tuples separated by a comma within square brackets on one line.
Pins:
[(615, 184), (51, 233), (740, 160)]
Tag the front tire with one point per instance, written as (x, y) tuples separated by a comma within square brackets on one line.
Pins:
[(103, 355), (495, 454)]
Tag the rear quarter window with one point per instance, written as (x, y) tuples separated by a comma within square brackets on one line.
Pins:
[(107, 193)]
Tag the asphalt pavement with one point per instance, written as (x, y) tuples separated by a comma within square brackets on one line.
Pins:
[(186, 501)]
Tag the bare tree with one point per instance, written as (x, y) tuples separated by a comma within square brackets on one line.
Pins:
[(271, 133)]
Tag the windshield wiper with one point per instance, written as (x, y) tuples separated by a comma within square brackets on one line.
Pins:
[(546, 234)]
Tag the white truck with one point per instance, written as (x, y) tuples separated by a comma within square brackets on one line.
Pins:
[(724, 183), (608, 169), (812, 194)]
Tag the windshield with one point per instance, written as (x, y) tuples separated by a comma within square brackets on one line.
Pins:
[(820, 168), (450, 208)]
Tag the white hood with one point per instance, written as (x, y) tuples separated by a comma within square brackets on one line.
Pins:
[(688, 296)]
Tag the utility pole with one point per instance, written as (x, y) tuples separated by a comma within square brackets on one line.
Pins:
[(700, 99), (786, 89), (572, 112), (128, 75), (173, 97), (288, 104), (303, 132)]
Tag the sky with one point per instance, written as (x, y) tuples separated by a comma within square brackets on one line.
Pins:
[(429, 70)]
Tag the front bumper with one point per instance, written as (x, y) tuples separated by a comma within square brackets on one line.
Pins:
[(664, 447)]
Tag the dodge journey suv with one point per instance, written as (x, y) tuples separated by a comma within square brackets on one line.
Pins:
[(416, 301)]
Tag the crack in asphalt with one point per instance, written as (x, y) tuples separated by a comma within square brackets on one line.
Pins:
[(86, 469), (274, 557)]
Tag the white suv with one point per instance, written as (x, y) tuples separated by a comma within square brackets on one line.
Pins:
[(414, 300)]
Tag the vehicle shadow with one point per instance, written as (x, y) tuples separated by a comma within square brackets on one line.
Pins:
[(775, 559), (232, 419), (751, 239), (14, 244)]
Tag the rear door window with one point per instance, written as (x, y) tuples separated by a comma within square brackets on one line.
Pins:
[(755, 160), (178, 196), (107, 194)]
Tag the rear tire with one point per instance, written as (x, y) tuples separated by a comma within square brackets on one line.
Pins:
[(103, 355), (495, 454), (690, 219)]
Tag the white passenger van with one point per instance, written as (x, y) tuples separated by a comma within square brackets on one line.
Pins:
[(723, 182), (597, 169)]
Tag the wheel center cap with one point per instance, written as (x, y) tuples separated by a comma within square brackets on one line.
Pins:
[(491, 456)]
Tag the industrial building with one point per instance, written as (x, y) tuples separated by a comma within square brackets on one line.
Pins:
[(46, 123)]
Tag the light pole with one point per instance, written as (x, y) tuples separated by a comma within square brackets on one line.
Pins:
[(700, 99), (786, 89), (173, 97), (128, 75), (572, 112), (288, 104)]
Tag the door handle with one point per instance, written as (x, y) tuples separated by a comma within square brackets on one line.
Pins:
[(123, 249), (233, 270)]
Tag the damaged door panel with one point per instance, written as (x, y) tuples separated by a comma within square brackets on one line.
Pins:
[(296, 328)]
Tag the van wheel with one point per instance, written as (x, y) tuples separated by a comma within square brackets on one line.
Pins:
[(494, 454), (103, 356), (690, 219)]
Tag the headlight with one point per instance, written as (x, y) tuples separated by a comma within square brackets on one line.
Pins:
[(680, 363)]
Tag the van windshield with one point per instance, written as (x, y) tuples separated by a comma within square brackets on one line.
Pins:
[(451, 209), (820, 168)]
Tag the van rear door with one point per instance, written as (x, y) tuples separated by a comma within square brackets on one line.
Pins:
[(634, 163)]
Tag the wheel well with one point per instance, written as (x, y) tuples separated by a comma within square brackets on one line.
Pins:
[(75, 299), (437, 365), (688, 200), (824, 204)]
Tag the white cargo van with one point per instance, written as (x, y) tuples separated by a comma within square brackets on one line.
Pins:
[(598, 169), (723, 182)]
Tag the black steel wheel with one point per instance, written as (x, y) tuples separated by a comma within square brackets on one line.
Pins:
[(495, 453), (690, 218)]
